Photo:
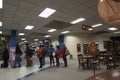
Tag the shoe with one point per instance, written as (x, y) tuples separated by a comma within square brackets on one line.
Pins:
[(19, 66), (40, 67), (14, 67)]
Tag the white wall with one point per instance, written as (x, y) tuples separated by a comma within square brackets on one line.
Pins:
[(71, 41)]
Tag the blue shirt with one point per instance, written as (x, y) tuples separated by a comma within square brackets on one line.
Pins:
[(50, 50)]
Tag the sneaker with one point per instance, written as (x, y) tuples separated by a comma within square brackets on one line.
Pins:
[(40, 67)]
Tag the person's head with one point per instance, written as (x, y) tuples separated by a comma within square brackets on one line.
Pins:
[(17, 44), (40, 46), (63, 45), (51, 46), (27, 44), (58, 47)]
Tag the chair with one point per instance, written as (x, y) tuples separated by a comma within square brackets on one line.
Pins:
[(96, 62), (110, 62), (81, 61)]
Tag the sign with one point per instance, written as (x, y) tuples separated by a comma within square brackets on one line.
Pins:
[(78, 48), (12, 56)]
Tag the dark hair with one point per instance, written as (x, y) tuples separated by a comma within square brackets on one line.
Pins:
[(58, 47)]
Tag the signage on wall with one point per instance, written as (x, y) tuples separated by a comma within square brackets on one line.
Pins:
[(78, 48)]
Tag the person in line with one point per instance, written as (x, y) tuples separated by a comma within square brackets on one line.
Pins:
[(50, 53), (43, 55), (39, 55), (64, 55), (18, 54), (57, 55), (5, 56), (28, 56)]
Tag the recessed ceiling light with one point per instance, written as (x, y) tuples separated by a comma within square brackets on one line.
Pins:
[(0, 23), (36, 39), (77, 20), (52, 30), (47, 12), (0, 32), (21, 34), (90, 29), (97, 25), (112, 28), (22, 38), (64, 32), (1, 4), (29, 27), (101, 0), (21, 43), (25, 41), (47, 36)]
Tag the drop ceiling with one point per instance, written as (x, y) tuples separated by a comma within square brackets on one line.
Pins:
[(16, 14)]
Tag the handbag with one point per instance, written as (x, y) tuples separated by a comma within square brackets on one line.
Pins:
[(53, 53), (67, 52)]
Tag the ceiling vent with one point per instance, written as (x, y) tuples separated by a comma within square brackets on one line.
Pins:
[(57, 25), (37, 34)]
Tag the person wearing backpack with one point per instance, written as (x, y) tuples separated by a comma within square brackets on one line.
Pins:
[(50, 53), (39, 55)]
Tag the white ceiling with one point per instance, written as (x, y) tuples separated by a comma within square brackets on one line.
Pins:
[(16, 14)]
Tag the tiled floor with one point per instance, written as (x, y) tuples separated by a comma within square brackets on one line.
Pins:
[(34, 73), (16, 73)]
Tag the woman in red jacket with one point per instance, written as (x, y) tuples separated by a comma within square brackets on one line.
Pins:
[(39, 55), (57, 55)]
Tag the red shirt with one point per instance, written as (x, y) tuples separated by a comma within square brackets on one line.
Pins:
[(58, 53), (63, 51), (39, 54)]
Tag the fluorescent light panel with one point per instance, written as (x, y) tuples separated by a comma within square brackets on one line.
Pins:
[(29, 27), (65, 32), (47, 12), (36, 39), (23, 39), (112, 28), (0, 23), (47, 36), (77, 20), (21, 34), (97, 25), (52, 30), (0, 32), (1, 4)]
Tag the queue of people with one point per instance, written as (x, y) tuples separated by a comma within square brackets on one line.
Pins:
[(42, 51)]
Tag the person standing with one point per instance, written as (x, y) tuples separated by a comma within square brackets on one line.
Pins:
[(39, 55), (64, 55), (57, 55), (44, 53), (18, 54), (5, 56), (28, 56), (50, 53)]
